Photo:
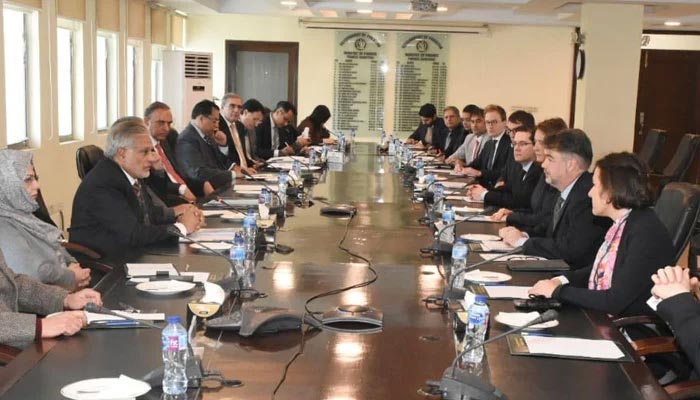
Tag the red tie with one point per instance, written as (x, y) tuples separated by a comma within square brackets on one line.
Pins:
[(476, 149), (169, 167)]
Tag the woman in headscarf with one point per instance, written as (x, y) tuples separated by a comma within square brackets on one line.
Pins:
[(314, 123), (31, 246)]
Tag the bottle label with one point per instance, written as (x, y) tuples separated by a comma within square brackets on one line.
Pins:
[(174, 342), (477, 317), (459, 253)]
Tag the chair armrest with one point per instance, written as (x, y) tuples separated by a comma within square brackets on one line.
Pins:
[(684, 390), (8, 353), (637, 320), (655, 345), (80, 249)]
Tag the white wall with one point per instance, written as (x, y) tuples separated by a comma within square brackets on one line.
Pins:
[(673, 42), (513, 66)]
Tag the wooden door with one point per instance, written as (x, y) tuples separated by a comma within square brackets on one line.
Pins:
[(669, 99)]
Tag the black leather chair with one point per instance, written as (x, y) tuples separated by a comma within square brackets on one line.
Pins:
[(87, 157), (678, 167), (652, 148), (677, 208)]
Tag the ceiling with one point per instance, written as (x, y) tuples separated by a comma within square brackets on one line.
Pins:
[(512, 12)]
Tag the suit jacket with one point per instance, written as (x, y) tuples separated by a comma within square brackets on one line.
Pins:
[(465, 152), (577, 235), (645, 246), (263, 137), (682, 312), (316, 135), (535, 219), (489, 176), (201, 160), (164, 187), (456, 139), (517, 190), (233, 156), (108, 218), (419, 133), (21, 298)]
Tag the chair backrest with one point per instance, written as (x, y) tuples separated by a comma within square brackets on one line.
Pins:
[(679, 164), (677, 208), (652, 147), (87, 157)]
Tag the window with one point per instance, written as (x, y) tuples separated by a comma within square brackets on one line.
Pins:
[(70, 79), (106, 79), (157, 73), (17, 29), (134, 77)]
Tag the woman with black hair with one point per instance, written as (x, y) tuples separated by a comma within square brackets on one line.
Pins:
[(315, 124)]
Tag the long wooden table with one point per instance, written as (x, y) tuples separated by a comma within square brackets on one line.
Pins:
[(416, 344)]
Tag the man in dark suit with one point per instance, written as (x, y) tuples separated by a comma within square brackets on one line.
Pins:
[(429, 126), (236, 135), (202, 149), (451, 137), (252, 115), (520, 177), (492, 160), (276, 135), (574, 234), (112, 210), (166, 179)]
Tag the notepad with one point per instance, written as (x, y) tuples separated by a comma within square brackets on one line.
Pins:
[(211, 235), (149, 269), (496, 246), (573, 347), (507, 292), (92, 317)]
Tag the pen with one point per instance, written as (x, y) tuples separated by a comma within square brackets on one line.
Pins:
[(537, 334), (116, 323)]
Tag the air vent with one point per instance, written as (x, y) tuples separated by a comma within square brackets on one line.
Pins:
[(197, 66)]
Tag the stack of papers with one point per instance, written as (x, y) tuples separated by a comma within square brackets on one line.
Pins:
[(92, 317), (508, 292), (573, 347), (497, 246), (212, 235)]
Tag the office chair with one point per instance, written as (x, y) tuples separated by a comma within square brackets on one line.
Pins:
[(677, 168), (677, 207), (652, 148), (87, 157)]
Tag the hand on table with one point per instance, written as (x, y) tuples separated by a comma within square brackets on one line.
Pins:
[(670, 281), (78, 300), (511, 235), (66, 323), (501, 215), (545, 287)]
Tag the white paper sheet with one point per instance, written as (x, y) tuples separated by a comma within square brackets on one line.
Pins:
[(573, 347), (146, 269), (253, 188), (508, 292), (491, 256), (496, 246), (211, 235)]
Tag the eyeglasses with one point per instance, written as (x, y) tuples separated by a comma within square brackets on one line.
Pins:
[(214, 120), (492, 122), (521, 144)]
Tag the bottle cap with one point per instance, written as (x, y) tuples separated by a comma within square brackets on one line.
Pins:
[(480, 298), (173, 319)]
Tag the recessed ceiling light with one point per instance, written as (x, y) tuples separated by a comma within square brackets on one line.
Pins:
[(363, 1), (288, 3), (672, 23), (364, 11), (442, 9)]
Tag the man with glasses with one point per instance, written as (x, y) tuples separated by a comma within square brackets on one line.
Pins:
[(276, 135), (202, 147), (252, 114), (520, 178), (166, 179), (230, 125), (474, 141), (492, 160)]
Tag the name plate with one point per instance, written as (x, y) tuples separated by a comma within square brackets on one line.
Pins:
[(336, 157)]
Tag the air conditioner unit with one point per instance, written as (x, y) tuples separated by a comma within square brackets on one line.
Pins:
[(186, 82)]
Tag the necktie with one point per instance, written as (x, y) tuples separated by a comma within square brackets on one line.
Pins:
[(429, 135), (239, 148), (556, 214), (493, 154), (524, 175), (142, 202), (448, 140), (275, 138), (476, 150), (174, 176)]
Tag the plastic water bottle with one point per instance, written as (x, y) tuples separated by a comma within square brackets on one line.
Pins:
[(460, 251), (174, 339), (478, 322), (392, 145), (312, 157), (282, 187), (448, 218), (420, 169), (296, 166), (250, 230), (237, 254), (429, 179), (353, 135), (324, 153), (438, 197), (263, 205)]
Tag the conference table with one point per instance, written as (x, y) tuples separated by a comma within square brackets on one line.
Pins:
[(417, 342)]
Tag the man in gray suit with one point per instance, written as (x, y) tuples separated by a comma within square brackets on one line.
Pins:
[(22, 298), (473, 143)]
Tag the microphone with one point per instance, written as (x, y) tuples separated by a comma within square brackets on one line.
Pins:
[(428, 196), (456, 273), (444, 248), (280, 209), (94, 308), (229, 282), (469, 386)]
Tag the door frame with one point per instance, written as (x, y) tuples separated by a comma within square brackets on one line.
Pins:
[(291, 48)]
